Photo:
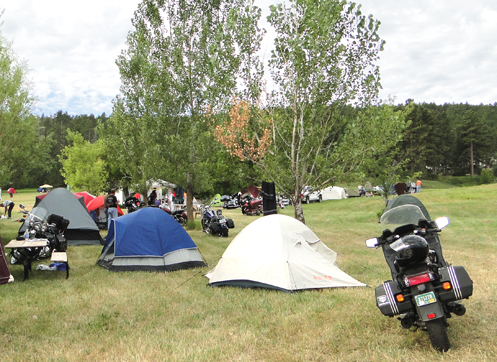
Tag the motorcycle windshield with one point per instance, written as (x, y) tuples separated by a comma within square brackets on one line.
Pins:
[(402, 215)]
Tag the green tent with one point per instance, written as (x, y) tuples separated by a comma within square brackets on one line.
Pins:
[(218, 203)]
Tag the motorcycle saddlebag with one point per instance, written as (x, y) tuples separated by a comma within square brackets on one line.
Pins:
[(386, 299), (462, 285), (230, 223), (214, 226)]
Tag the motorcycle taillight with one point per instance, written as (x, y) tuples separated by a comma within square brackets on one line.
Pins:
[(412, 280)]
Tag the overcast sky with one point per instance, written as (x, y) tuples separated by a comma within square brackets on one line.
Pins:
[(436, 51)]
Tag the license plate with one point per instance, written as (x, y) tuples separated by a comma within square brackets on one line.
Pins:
[(425, 299)]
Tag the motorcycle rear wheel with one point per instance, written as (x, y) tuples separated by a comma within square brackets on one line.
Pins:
[(437, 331)]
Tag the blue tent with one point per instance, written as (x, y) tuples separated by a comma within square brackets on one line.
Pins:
[(148, 239)]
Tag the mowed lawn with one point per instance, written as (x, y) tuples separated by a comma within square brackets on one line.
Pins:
[(97, 315)]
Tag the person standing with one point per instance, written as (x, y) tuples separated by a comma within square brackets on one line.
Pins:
[(111, 202), (9, 205), (418, 185)]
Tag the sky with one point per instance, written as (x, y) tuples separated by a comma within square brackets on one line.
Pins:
[(440, 51)]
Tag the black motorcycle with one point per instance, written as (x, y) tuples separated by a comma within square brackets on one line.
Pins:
[(214, 222), (37, 229), (425, 289), (132, 204)]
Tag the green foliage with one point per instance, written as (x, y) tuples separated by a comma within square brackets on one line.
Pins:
[(385, 163), (83, 167), (182, 58), (18, 128), (324, 60), (486, 176), (475, 142)]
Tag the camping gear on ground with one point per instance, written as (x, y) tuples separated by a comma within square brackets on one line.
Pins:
[(40, 240), (268, 193), (82, 230), (251, 205), (214, 222), (149, 240), (424, 289), (5, 276), (352, 192), (279, 252)]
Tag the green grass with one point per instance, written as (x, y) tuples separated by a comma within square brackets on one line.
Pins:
[(139, 316)]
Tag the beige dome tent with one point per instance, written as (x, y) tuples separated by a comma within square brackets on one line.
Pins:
[(279, 252)]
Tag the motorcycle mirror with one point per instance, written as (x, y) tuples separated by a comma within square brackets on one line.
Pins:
[(372, 243), (21, 206), (442, 222)]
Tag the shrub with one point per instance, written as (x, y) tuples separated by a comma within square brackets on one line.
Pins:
[(486, 176)]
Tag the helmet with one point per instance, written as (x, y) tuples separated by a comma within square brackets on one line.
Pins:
[(416, 251)]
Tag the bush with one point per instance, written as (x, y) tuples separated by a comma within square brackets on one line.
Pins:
[(461, 181), (486, 176)]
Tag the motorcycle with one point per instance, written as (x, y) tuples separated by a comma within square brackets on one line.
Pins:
[(251, 206), (179, 215), (425, 290), (214, 222), (282, 201), (132, 204), (230, 202), (52, 230)]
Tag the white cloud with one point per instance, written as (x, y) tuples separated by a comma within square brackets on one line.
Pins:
[(436, 51)]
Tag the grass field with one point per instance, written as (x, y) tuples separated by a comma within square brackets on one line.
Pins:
[(97, 315)]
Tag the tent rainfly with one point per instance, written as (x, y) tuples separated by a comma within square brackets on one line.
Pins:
[(279, 252), (150, 240)]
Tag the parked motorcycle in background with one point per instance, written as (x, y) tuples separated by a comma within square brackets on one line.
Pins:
[(230, 202), (132, 204), (251, 205), (179, 215), (214, 222), (425, 290)]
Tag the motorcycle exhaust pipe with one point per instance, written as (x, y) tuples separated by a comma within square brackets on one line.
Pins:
[(458, 309), (406, 322)]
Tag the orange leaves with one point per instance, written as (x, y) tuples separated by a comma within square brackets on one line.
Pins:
[(246, 135)]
